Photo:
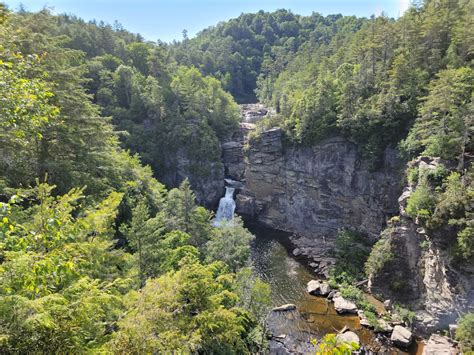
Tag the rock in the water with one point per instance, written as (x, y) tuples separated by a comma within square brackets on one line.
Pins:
[(363, 319), (324, 289), (439, 345), (285, 307), (348, 337), (344, 306), (401, 336), (318, 288), (387, 304), (313, 287)]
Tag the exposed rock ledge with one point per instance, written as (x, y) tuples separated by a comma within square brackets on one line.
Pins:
[(314, 191), (421, 272)]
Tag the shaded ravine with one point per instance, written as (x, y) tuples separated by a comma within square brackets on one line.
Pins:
[(315, 316)]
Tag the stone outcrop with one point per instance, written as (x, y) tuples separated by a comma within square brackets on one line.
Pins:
[(348, 337), (206, 177), (315, 191), (439, 345), (401, 336), (343, 305), (285, 308), (422, 272), (318, 288), (233, 157)]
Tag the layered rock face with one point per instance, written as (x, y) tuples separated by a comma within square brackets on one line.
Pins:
[(314, 191), (422, 271), (206, 177)]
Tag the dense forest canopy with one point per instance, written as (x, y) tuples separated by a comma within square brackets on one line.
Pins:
[(96, 254)]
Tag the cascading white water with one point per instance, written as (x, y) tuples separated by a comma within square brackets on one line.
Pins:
[(226, 209)]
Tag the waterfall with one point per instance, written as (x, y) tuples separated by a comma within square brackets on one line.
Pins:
[(226, 207)]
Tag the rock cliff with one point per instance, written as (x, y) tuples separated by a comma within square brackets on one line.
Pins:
[(313, 191), (206, 177), (422, 271)]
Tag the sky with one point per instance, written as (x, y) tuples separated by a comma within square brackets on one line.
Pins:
[(166, 19)]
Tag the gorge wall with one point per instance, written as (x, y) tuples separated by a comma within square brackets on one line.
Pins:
[(312, 191), (422, 270)]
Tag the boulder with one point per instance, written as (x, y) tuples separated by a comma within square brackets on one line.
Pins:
[(362, 318), (344, 306), (313, 287), (318, 288), (401, 336), (324, 288), (384, 326), (439, 345), (388, 305), (297, 252), (348, 337), (285, 307)]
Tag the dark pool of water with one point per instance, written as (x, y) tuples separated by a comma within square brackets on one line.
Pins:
[(287, 277)]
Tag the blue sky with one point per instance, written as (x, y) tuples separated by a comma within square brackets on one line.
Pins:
[(166, 19)]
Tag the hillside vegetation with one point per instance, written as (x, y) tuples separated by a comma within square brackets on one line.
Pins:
[(98, 255)]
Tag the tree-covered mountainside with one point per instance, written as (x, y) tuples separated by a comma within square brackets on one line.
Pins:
[(256, 46), (158, 108), (104, 136), (95, 254), (372, 85)]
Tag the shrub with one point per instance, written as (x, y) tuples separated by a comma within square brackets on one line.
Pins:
[(405, 314), (465, 332), (373, 320), (352, 293), (351, 253), (422, 201), (437, 175), (330, 345), (381, 253), (412, 175)]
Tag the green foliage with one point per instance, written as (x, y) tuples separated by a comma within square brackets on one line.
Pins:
[(422, 201), (448, 204), (380, 254), (193, 309), (405, 314), (445, 120), (329, 345), (353, 293), (254, 46), (352, 250), (465, 332), (230, 243), (412, 175), (372, 319), (61, 285), (183, 214), (455, 205)]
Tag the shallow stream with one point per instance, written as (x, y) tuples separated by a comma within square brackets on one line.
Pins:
[(315, 316)]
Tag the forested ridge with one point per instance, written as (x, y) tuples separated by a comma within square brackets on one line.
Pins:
[(98, 255)]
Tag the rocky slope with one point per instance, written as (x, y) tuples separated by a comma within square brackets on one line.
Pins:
[(422, 271)]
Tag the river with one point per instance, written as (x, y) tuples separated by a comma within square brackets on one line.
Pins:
[(316, 316)]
